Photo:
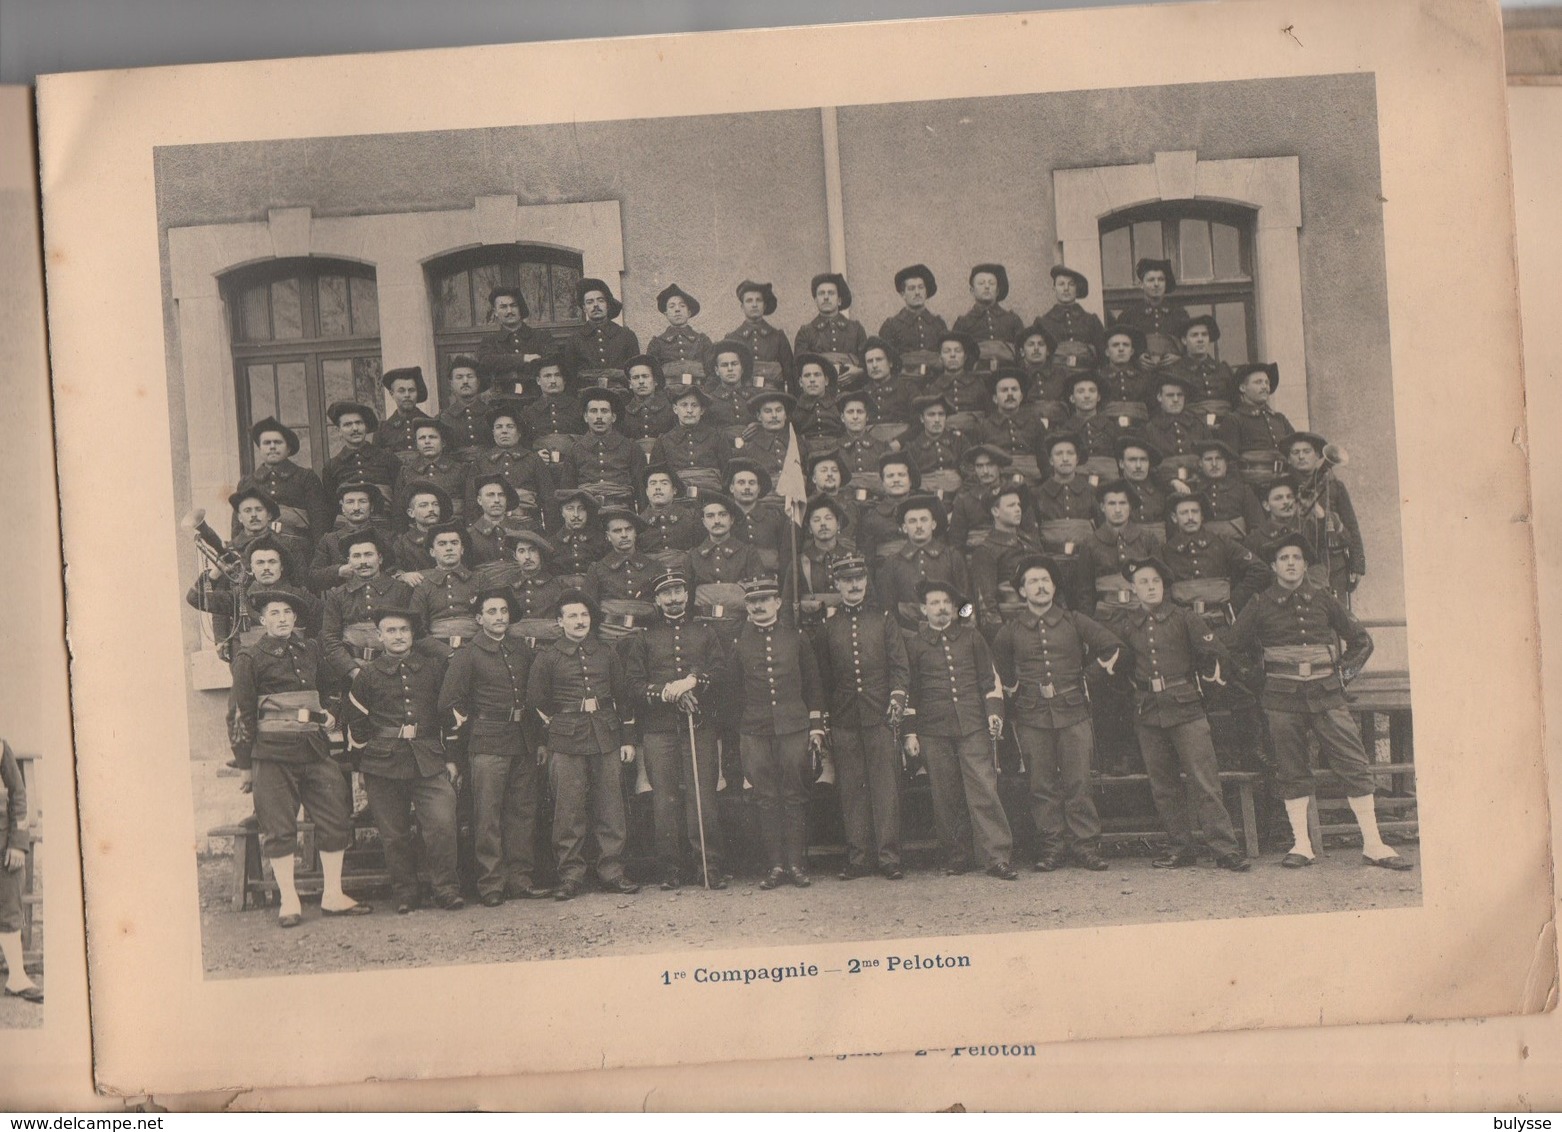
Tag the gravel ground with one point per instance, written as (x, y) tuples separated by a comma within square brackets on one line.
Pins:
[(926, 903), (18, 1015)]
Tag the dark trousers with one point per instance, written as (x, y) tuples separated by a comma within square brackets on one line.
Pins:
[(1339, 740), (1169, 753), (867, 774), (503, 774), (965, 800), (393, 802), (279, 787), (588, 798), (776, 766), (1060, 801), (670, 767)]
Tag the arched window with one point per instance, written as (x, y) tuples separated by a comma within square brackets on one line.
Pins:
[(305, 333), (459, 284), (1210, 246)]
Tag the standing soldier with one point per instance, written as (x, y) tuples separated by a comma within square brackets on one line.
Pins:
[(647, 411), (954, 720), (359, 459), (467, 414), (1197, 556), (1006, 544), (393, 721), (989, 324), (515, 341), (1118, 540), (862, 662), (1297, 627), (782, 724), (672, 665), (348, 637), (1067, 320), (407, 390), (577, 686), (831, 333), (1042, 655), (913, 331), (601, 345), (13, 860), (680, 350), (1172, 650), (1329, 519), (1279, 505), (233, 622), (483, 700), (1154, 314), (772, 352), (278, 726), (304, 511)]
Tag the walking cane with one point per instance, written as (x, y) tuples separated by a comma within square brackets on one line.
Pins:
[(699, 807)]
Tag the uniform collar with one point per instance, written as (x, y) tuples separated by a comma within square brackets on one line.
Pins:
[(568, 647), (459, 570), (1109, 535), (278, 646), (388, 664), (728, 548), (932, 550), (931, 635), (1306, 593), (376, 583), (615, 559), (488, 644), (1053, 616)]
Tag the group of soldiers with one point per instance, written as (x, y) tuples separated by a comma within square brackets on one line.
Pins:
[(759, 559)]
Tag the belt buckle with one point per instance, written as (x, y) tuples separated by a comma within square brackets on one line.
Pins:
[(1198, 605), (1048, 691), (303, 715), (455, 642), (759, 380), (1123, 422), (517, 715), (1157, 684), (589, 705), (407, 731), (1304, 668)]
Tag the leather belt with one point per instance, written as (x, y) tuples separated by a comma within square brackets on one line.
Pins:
[(589, 706), (1052, 691), (405, 731), (1157, 684), (491, 715), (1299, 670), (364, 653)]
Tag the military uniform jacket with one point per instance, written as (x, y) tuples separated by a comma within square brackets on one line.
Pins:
[(601, 345), (445, 592), (216, 598), (1151, 511), (1205, 554), (1075, 499), (934, 453), (1169, 645), (269, 666), (729, 405), (682, 448), (910, 330), (1037, 652), (860, 454), (902, 571), (1097, 433), (674, 526), (521, 468), (331, 553), (862, 663), (395, 434), (554, 413), (778, 680), (1016, 433), (1211, 380), (1307, 615), (1164, 318), (891, 397), (352, 603), (831, 334), (665, 651), (390, 693), (469, 422), (368, 463), (818, 420), (486, 680), (954, 683), (566, 677), (646, 418), (1230, 498), (768, 343), (766, 447), (621, 577), (1177, 435), (292, 486), (578, 548), (1124, 383), (989, 322), (445, 471), (409, 553), (1073, 323), (505, 351), (878, 527), (15, 802), (1111, 548), (818, 564), (1254, 428), (965, 391), (681, 344), (490, 541), (967, 514), (730, 561), (609, 457), (1345, 540), (992, 563), (764, 527), (537, 593), (1259, 537)]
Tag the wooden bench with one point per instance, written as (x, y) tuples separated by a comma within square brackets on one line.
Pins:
[(248, 881)]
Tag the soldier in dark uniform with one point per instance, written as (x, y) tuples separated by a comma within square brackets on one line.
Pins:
[(827, 476), (531, 580), (1118, 540), (1066, 500), (831, 333), (407, 390), (1035, 346), (721, 559), (1330, 523), (515, 342), (680, 349), (858, 450), (984, 467), (989, 324), (1253, 429), (887, 384), (647, 411), (1006, 544), (359, 459), (233, 622), (305, 510), (601, 344), (1173, 428), (924, 556), (1209, 380), (959, 383), (914, 331), (1311, 647), (1042, 656), (879, 534), (483, 700), (673, 665), (624, 573), (1008, 426), (257, 515), (825, 522), (1096, 431), (513, 459), (783, 723), (1067, 320), (693, 447), (954, 720), (755, 520), (1233, 507), (671, 523), (492, 533), (935, 447), (1278, 502), (772, 352), (579, 541), (1154, 315), (436, 464), (446, 598), (357, 506), (603, 461), (1172, 649), (467, 413), (556, 413), (13, 863), (347, 634), (729, 393), (816, 417), (1125, 387), (863, 667), (427, 505), (1193, 553), (277, 726), (1136, 460), (767, 444), (578, 686), (393, 722)]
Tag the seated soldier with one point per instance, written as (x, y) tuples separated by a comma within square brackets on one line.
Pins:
[(1174, 429), (277, 728), (879, 531), (515, 341), (1066, 500), (257, 515), (601, 345), (348, 637), (831, 333), (958, 383), (721, 559), (925, 556), (887, 386), (445, 600), (1154, 314), (426, 506), (1125, 392), (680, 350), (1330, 522), (1036, 347), (765, 442), (827, 476), (530, 578), (603, 461), (393, 722), (672, 525), (1067, 320), (233, 622), (491, 535), (772, 352), (624, 574), (1136, 457), (1008, 426), (579, 541), (1278, 502), (913, 331), (983, 468), (435, 464), (1253, 429), (990, 326), (512, 459), (467, 414), (1209, 379), (647, 411), (556, 413), (1198, 557), (1233, 507), (816, 416), (935, 446), (358, 505), (358, 459), (407, 390), (994, 560), (1097, 432), (1118, 540), (755, 520), (858, 449), (303, 510), (825, 522), (693, 448), (728, 409)]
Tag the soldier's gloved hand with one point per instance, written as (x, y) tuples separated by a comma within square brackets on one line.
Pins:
[(14, 860), (913, 746), (679, 688), (626, 753), (542, 756), (454, 773), (688, 704), (816, 743), (1352, 583), (1347, 675), (896, 710), (995, 727), (246, 781)]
